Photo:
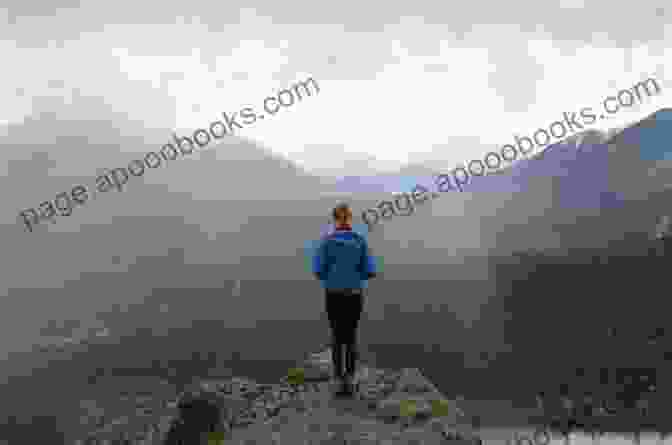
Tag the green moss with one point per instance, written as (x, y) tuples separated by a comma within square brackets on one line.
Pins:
[(296, 376), (440, 408), (216, 438), (407, 408)]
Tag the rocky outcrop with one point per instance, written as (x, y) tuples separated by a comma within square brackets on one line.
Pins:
[(397, 406)]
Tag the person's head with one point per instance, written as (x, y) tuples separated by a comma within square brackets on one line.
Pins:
[(342, 215)]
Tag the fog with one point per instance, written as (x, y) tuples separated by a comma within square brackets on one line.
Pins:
[(200, 265)]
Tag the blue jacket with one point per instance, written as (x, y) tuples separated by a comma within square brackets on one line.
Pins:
[(343, 260)]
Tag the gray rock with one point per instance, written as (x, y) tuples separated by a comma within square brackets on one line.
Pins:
[(317, 372), (265, 387), (209, 409), (298, 404), (455, 435), (244, 418), (413, 382), (273, 410), (318, 367), (243, 406), (390, 407)]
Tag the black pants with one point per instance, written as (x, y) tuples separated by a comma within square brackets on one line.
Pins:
[(344, 309)]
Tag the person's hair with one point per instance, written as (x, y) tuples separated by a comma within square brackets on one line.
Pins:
[(341, 210)]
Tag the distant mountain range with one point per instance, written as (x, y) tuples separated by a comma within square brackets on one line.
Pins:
[(236, 211), (579, 166), (225, 206)]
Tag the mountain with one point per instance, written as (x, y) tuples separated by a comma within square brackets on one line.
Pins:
[(53, 154), (576, 167), (565, 252), (589, 189), (400, 181), (183, 233), (649, 137)]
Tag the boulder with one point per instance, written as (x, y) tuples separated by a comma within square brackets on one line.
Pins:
[(210, 409), (200, 413)]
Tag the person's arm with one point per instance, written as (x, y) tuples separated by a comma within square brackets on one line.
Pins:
[(367, 265), (320, 260)]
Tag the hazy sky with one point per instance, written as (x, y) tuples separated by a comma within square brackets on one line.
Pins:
[(399, 81)]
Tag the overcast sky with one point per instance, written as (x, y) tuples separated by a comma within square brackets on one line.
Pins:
[(400, 81)]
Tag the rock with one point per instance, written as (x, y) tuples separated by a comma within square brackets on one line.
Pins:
[(400, 406), (145, 411), (180, 435), (318, 367), (455, 435), (116, 431), (389, 408), (448, 410), (272, 410), (207, 411), (265, 388), (295, 376), (285, 394), (298, 404), (243, 420), (315, 372), (243, 385), (413, 382), (163, 425), (323, 356), (418, 410), (238, 407)]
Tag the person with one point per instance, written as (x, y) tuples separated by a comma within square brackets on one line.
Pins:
[(343, 262)]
